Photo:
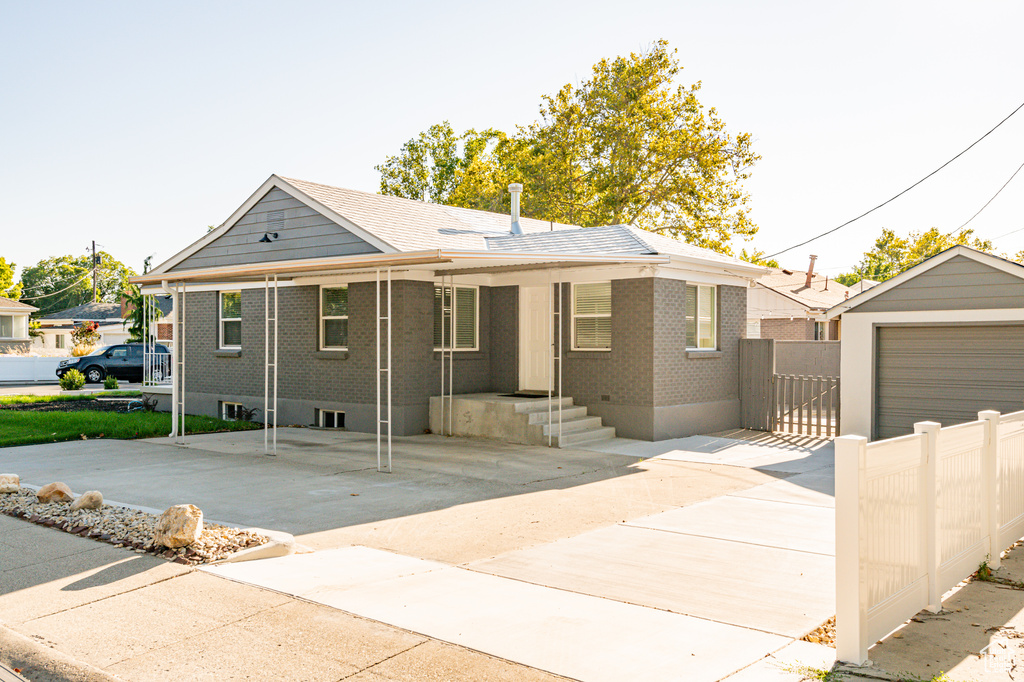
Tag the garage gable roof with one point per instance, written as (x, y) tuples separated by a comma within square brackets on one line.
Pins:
[(1013, 276)]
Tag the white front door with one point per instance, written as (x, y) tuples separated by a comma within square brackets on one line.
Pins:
[(534, 339)]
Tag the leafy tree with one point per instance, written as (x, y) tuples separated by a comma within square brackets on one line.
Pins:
[(626, 146), (137, 305), (8, 289), (65, 281), (756, 256), (893, 254)]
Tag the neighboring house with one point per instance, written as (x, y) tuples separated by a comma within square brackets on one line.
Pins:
[(56, 327), (790, 306), (650, 326), (938, 342), (14, 316)]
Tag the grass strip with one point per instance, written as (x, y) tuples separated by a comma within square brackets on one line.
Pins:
[(29, 428), (27, 399)]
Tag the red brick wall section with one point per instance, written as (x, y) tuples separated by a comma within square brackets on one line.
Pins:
[(786, 329)]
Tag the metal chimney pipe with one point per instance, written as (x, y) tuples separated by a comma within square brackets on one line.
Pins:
[(515, 189), (810, 272)]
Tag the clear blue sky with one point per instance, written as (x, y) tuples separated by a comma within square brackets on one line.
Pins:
[(139, 124)]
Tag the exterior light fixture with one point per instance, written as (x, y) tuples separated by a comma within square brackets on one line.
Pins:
[(268, 237)]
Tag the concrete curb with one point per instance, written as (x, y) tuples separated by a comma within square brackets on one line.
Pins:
[(43, 664)]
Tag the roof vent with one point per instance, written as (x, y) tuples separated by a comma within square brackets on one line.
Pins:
[(514, 189)]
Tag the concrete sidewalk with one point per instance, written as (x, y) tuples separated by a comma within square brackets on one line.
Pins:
[(137, 617)]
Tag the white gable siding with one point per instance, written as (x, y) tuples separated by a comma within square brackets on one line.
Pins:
[(302, 233)]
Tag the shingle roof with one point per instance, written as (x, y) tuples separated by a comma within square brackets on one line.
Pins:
[(410, 225), (89, 311), (815, 296), (11, 304)]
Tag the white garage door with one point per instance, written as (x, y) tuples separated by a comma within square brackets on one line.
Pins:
[(945, 374)]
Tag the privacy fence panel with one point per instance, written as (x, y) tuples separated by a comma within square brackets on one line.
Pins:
[(917, 514), (757, 367)]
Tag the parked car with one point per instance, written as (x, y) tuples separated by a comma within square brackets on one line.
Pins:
[(123, 361)]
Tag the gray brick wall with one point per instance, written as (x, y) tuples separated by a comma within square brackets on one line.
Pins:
[(787, 329), (335, 378), (625, 374), (682, 377)]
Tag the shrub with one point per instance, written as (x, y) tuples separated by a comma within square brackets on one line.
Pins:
[(110, 383), (72, 380)]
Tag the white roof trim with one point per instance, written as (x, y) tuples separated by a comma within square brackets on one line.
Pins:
[(1009, 267), (272, 182)]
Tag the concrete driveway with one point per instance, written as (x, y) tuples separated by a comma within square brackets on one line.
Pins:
[(691, 559)]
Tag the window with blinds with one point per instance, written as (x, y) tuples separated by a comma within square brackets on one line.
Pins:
[(463, 314), (701, 317), (592, 316), (334, 318)]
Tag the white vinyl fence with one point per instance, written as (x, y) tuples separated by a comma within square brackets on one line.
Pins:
[(917, 514), (18, 368)]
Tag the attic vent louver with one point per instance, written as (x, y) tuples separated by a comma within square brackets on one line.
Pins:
[(275, 221)]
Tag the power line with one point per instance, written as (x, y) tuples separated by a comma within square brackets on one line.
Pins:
[(80, 279), (960, 229), (891, 199)]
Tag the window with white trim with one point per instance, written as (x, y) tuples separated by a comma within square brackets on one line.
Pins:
[(331, 419), (701, 317), (59, 339), (463, 317), (592, 316), (231, 319), (333, 318), (230, 411), (820, 333)]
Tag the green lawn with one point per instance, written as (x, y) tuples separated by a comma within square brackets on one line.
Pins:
[(24, 399), (27, 428)]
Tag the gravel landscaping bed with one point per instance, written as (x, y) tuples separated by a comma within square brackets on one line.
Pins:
[(126, 527), (823, 634)]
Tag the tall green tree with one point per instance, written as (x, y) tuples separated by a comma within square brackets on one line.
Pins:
[(8, 289), (139, 307), (892, 254), (626, 146), (62, 282)]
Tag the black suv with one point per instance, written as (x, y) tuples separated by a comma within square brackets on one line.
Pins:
[(123, 361)]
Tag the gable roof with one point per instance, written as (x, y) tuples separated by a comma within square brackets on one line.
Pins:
[(1007, 266), (397, 225), (91, 312), (10, 305)]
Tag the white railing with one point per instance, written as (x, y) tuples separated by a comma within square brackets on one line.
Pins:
[(917, 514), (156, 368)]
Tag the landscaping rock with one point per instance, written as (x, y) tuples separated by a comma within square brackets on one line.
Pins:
[(92, 499), (9, 483), (179, 526), (54, 492)]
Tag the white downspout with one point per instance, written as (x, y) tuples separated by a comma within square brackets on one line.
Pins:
[(175, 341)]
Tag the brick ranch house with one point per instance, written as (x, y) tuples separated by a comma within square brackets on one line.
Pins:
[(647, 343)]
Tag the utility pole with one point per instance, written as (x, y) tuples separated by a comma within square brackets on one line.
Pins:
[(94, 299)]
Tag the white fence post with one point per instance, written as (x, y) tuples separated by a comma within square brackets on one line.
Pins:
[(851, 586), (990, 475), (929, 512)]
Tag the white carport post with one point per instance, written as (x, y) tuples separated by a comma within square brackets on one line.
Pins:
[(381, 369), (175, 342), (554, 356), (269, 387), (179, 369)]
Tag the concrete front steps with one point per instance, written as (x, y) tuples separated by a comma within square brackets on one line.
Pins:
[(518, 420)]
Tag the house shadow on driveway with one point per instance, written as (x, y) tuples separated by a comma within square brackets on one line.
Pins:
[(449, 499)]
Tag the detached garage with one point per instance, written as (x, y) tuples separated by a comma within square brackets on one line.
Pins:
[(940, 342)]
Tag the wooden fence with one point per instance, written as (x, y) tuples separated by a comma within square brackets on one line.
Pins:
[(805, 405)]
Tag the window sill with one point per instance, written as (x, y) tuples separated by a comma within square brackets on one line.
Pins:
[(703, 353), (332, 354), (227, 353), (459, 352)]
